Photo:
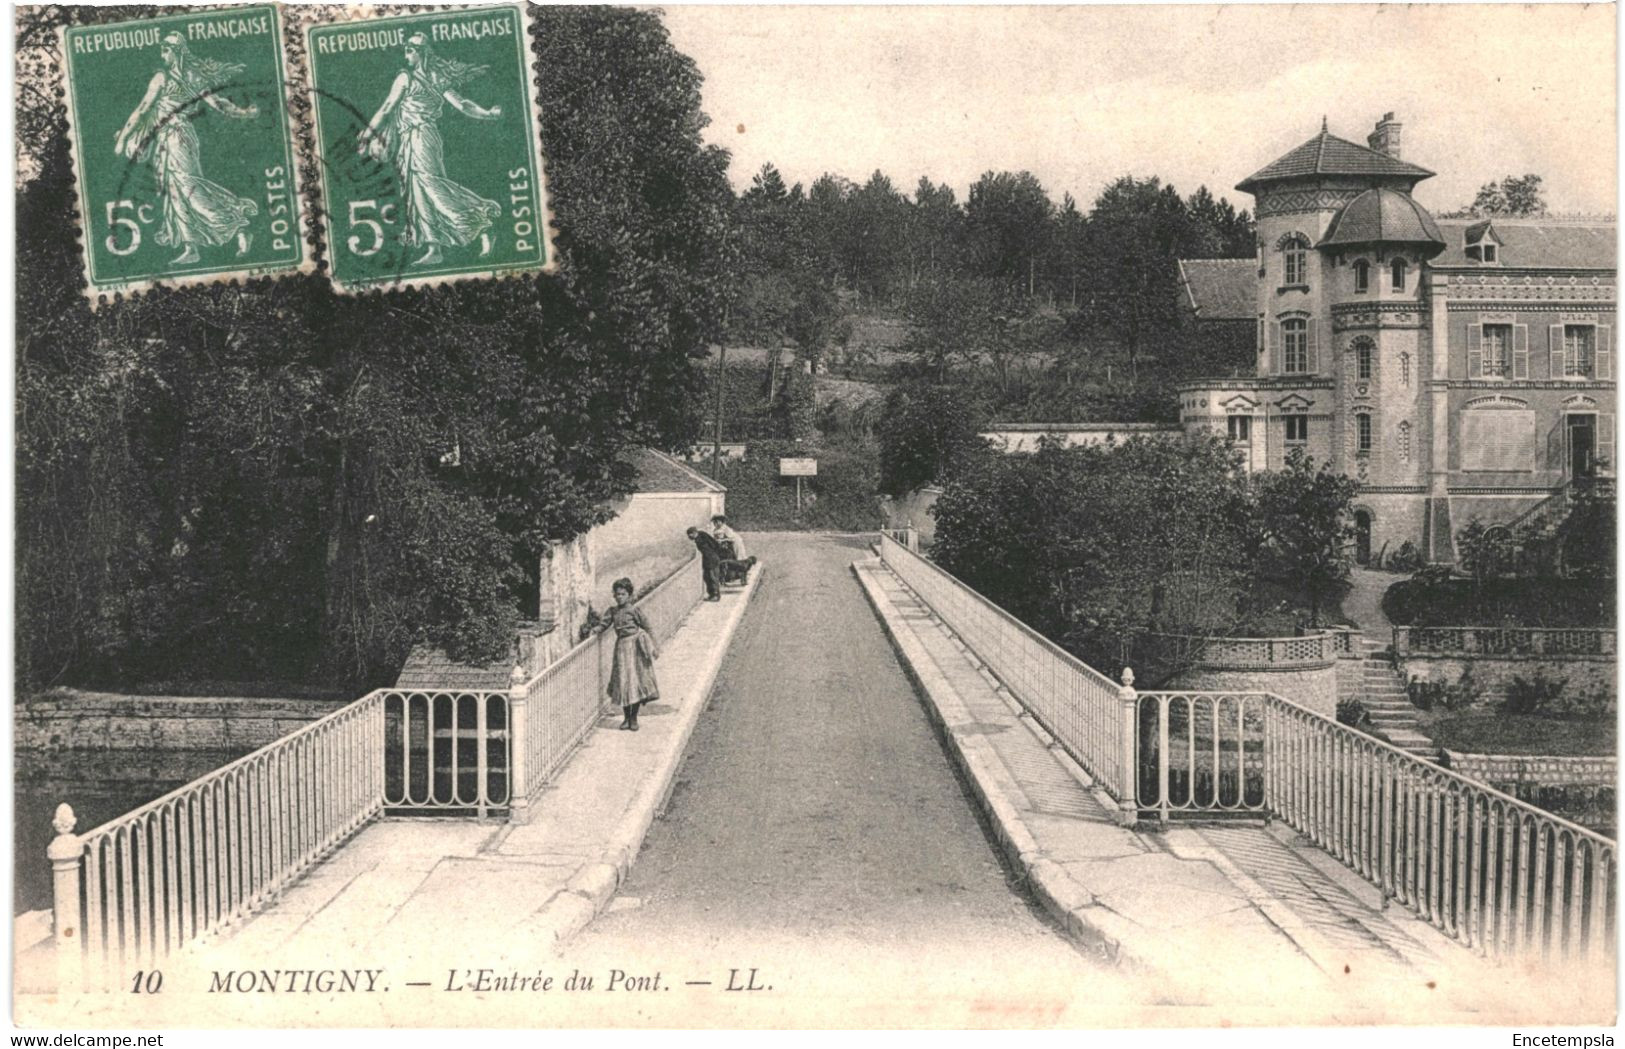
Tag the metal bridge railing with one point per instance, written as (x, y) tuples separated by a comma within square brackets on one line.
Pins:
[(1498, 875), (204, 856), (909, 538), (209, 854), (1082, 708), (554, 711)]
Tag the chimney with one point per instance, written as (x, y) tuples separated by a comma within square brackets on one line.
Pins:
[(1385, 139)]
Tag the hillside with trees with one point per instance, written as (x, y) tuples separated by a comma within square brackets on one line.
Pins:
[(269, 480)]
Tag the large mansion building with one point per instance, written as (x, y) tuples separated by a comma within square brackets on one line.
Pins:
[(1457, 368)]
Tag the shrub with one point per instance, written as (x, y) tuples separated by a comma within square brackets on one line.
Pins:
[(1426, 695), (1534, 694), (1406, 559), (841, 497), (1352, 712)]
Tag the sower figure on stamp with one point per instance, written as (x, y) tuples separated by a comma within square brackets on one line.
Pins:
[(710, 562), (195, 211), (405, 132), (632, 678)]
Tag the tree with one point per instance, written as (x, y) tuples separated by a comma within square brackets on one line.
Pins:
[(1513, 196), (268, 479), (926, 432), (1099, 546), (935, 232), (1305, 527), (1007, 221), (1136, 232)]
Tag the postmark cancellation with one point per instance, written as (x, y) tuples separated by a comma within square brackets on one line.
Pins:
[(427, 138)]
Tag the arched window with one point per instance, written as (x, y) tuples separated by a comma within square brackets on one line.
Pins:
[(1362, 430), (1405, 369), (1405, 441), (1362, 276), (1363, 350), (1397, 268), (1294, 345), (1295, 258)]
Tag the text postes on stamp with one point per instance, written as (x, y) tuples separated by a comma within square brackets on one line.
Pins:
[(427, 137), (182, 149)]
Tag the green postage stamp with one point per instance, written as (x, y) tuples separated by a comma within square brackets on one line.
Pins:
[(428, 139), (182, 149)]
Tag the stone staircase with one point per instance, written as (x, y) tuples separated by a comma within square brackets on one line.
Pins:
[(1382, 691)]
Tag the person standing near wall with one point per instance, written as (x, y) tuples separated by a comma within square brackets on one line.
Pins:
[(632, 681), (710, 562)]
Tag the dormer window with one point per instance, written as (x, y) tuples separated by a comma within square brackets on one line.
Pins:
[(1482, 245)]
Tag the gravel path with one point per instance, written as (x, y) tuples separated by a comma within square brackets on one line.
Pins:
[(818, 833)]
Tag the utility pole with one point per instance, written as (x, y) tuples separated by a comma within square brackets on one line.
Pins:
[(716, 448)]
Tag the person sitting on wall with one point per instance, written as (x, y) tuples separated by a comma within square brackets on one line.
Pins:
[(735, 566), (725, 535), (710, 562)]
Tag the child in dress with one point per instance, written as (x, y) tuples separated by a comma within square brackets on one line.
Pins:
[(632, 679)]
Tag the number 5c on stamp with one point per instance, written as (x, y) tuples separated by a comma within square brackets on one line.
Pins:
[(182, 149), (428, 140)]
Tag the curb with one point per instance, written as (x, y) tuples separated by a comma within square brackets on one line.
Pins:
[(594, 884), (1098, 930)]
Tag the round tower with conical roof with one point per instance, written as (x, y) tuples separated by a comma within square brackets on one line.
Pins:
[(1341, 245)]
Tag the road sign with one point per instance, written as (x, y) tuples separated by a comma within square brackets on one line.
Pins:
[(798, 467)]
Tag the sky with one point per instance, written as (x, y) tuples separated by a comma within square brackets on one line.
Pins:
[(1195, 95)]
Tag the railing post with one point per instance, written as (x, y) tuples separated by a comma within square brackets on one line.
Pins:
[(1402, 641), (1128, 812), (64, 853), (518, 765)]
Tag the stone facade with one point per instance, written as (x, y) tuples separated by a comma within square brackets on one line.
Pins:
[(1585, 675), (1313, 685), (1536, 770), (1457, 369)]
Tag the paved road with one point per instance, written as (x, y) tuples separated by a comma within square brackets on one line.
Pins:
[(817, 832)]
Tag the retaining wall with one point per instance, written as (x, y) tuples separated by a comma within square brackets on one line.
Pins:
[(1537, 769), (66, 719), (1493, 674), (1314, 687)]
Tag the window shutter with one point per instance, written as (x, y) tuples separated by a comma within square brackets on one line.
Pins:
[(1475, 351), (1278, 358), (1605, 354), (1520, 351), (1554, 446), (1605, 436), (1311, 353), (1556, 333)]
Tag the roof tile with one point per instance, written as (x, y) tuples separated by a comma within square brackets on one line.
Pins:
[(1221, 289), (1535, 244), (1326, 154)]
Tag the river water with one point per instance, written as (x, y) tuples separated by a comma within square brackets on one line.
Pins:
[(100, 785)]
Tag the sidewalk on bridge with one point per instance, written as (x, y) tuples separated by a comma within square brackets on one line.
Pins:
[(512, 891), (1227, 915)]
